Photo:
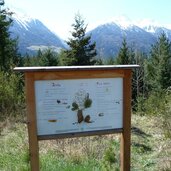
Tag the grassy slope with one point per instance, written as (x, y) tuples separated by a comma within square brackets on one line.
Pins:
[(150, 150)]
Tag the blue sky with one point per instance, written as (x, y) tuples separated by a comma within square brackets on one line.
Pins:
[(58, 15)]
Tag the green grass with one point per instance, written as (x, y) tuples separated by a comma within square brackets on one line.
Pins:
[(151, 151), (14, 148)]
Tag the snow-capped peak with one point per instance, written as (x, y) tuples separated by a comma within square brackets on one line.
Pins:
[(148, 25), (22, 19), (20, 16), (123, 22)]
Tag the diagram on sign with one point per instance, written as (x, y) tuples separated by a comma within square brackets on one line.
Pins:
[(79, 105)]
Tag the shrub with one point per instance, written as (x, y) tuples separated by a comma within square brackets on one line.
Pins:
[(158, 104), (11, 94)]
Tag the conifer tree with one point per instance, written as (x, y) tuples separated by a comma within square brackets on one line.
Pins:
[(81, 51), (48, 58), (159, 65), (123, 55), (128, 55), (8, 47)]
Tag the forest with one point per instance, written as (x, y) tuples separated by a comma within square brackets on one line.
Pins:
[(151, 105)]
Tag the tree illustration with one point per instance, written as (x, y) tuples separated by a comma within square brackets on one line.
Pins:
[(81, 102)]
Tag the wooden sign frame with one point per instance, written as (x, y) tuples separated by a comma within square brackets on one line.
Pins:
[(78, 72)]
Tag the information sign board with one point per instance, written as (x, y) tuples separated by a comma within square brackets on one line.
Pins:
[(79, 105), (78, 101)]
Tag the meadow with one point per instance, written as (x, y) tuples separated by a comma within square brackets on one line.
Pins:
[(150, 149)]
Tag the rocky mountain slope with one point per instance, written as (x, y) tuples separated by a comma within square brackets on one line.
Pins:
[(32, 35)]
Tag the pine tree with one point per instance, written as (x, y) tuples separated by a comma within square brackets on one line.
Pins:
[(159, 65), (48, 58), (123, 55), (82, 51), (8, 47)]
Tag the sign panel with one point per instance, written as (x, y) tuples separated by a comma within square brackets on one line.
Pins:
[(78, 105)]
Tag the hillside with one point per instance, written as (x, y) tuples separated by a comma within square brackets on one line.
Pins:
[(139, 35), (109, 37), (33, 35)]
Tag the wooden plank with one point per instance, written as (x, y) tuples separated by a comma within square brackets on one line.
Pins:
[(126, 134), (83, 134), (78, 74), (70, 68), (31, 118)]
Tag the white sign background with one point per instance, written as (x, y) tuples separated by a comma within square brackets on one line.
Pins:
[(54, 100)]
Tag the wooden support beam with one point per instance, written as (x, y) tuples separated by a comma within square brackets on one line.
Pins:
[(125, 151), (31, 118)]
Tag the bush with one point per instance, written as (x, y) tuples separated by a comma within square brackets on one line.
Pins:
[(11, 94), (153, 105), (111, 158), (158, 104), (167, 115)]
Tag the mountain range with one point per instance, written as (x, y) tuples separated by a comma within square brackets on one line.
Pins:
[(32, 35), (139, 36)]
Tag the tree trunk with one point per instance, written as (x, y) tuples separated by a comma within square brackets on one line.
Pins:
[(80, 116)]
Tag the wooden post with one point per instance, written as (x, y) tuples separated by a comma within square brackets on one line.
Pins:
[(31, 118), (125, 151)]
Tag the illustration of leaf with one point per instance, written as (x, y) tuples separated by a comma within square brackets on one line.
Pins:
[(87, 103), (74, 106)]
